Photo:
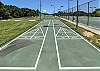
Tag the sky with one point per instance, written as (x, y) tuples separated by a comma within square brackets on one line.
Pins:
[(46, 4)]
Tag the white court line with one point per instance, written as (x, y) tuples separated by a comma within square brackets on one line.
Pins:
[(5, 46), (24, 37), (78, 68), (41, 48), (17, 68), (5, 20), (42, 31), (75, 38), (33, 38), (64, 38), (58, 31), (66, 34), (31, 20), (59, 64), (36, 38), (17, 20), (34, 33)]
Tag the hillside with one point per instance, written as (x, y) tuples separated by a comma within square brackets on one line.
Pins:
[(97, 12), (10, 11)]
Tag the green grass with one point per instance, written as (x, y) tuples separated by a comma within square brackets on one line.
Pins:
[(11, 29), (94, 40)]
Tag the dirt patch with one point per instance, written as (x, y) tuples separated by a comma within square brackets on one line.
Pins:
[(88, 34)]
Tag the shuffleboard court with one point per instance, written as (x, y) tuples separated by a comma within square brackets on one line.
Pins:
[(23, 51), (50, 46), (75, 51)]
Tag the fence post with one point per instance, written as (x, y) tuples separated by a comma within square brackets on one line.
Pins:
[(68, 9), (77, 16), (40, 9), (72, 14), (88, 14)]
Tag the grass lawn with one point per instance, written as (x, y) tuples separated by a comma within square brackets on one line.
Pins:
[(11, 29), (94, 40)]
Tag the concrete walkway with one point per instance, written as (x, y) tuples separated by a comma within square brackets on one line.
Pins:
[(92, 29)]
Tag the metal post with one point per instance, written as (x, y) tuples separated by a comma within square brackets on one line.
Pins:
[(73, 14), (61, 9), (68, 9), (40, 9), (77, 15), (54, 10), (88, 14)]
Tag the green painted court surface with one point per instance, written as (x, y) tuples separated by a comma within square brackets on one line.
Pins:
[(50, 46)]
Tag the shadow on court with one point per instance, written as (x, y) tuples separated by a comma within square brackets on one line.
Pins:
[(17, 44), (54, 26)]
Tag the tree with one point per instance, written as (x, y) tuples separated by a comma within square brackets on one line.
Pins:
[(97, 12), (8, 11)]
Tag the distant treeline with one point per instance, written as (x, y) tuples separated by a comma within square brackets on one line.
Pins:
[(10, 11), (96, 13)]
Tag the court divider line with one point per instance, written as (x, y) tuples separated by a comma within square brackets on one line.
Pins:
[(59, 64), (42, 31), (37, 61), (3, 47)]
